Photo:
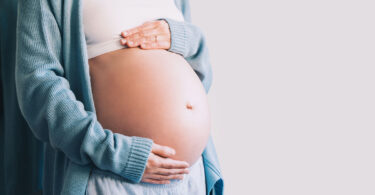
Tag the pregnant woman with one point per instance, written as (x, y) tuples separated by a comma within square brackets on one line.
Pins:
[(144, 91), (117, 92)]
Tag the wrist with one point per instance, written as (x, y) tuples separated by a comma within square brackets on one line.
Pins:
[(137, 160), (178, 36)]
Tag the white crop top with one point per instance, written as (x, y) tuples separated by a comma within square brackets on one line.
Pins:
[(104, 20)]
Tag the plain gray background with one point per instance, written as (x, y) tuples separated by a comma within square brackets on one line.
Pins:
[(293, 97)]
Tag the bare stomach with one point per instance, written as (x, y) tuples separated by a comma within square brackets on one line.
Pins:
[(153, 94)]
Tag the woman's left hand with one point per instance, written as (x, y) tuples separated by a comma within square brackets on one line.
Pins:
[(150, 35)]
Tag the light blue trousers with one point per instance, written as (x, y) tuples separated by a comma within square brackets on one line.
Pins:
[(106, 183)]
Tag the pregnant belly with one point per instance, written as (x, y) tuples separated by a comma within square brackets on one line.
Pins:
[(153, 94)]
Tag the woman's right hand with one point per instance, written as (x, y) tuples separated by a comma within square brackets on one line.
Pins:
[(160, 168)]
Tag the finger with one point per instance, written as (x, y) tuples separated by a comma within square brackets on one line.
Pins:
[(165, 177), (145, 26), (173, 164), (123, 41), (132, 43), (163, 151), (154, 181), (138, 38), (162, 171), (145, 36), (128, 32), (158, 45), (148, 33), (148, 45), (163, 42)]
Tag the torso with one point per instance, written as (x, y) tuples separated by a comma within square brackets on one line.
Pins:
[(154, 94)]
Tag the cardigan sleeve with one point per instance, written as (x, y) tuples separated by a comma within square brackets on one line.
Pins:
[(51, 109), (189, 41)]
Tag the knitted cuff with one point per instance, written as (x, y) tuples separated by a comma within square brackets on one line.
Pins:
[(178, 36), (139, 152)]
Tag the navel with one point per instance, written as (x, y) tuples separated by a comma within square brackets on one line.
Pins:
[(189, 106)]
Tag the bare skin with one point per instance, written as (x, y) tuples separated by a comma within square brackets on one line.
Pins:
[(150, 35), (160, 96), (160, 168)]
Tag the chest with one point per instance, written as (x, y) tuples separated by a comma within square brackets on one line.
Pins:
[(104, 20)]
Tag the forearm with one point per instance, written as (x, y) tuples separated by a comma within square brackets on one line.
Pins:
[(50, 107)]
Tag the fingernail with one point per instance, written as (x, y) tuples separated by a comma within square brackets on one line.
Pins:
[(130, 42), (125, 33), (123, 41), (173, 152)]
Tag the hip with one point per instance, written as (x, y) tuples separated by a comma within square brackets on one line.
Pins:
[(103, 182)]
